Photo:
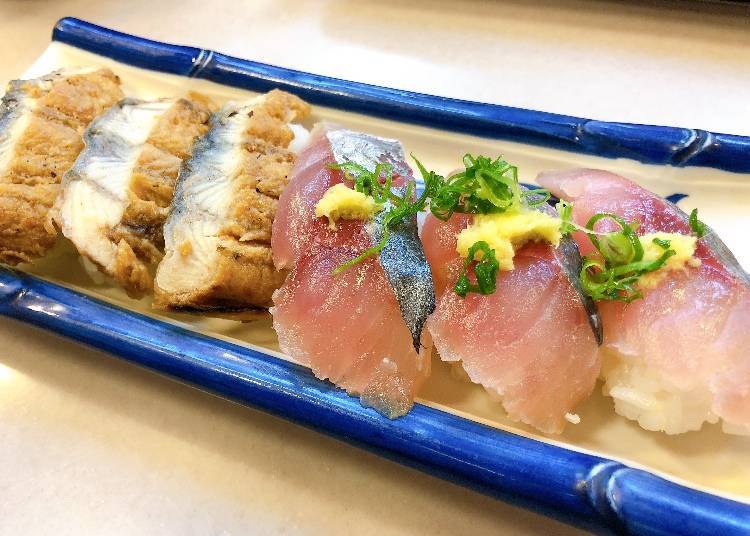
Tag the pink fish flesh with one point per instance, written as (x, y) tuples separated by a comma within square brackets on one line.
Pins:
[(680, 356), (361, 329), (531, 342)]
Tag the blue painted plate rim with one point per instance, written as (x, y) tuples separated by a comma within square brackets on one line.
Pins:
[(588, 491), (651, 144)]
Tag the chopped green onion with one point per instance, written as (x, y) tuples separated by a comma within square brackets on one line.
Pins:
[(380, 189), (613, 274), (565, 211), (697, 226), (369, 182), (485, 271), (488, 186), (374, 250), (485, 186)]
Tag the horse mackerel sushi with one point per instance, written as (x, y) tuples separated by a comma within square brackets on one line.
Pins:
[(530, 339), (355, 318), (679, 356)]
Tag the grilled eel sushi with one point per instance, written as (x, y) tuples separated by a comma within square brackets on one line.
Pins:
[(218, 234), (41, 126), (115, 199)]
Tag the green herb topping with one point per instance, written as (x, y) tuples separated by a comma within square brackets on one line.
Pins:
[(612, 274), (565, 211), (488, 186), (697, 226), (485, 186), (378, 184), (369, 182), (485, 270)]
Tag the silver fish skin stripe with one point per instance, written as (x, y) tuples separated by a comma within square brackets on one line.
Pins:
[(101, 141), (204, 166), (408, 272), (367, 150), (403, 258), (12, 108), (569, 257), (12, 105)]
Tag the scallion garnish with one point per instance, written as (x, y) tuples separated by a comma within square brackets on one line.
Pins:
[(697, 226), (485, 186), (612, 275), (369, 182), (485, 271), (378, 184), (488, 186), (565, 211)]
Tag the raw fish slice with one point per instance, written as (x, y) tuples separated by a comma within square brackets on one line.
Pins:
[(349, 330), (361, 329), (41, 124), (116, 197), (680, 356), (531, 342), (218, 234)]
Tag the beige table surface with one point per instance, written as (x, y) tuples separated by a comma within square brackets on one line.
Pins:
[(91, 445)]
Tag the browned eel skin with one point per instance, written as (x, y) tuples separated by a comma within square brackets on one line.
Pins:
[(240, 274), (130, 164), (41, 123), (139, 236)]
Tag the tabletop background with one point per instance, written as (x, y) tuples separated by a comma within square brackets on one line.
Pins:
[(89, 444)]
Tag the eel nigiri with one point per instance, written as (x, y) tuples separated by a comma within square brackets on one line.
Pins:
[(362, 329), (117, 195), (680, 356), (217, 237), (532, 344), (41, 124)]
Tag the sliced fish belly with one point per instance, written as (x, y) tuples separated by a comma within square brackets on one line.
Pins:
[(680, 356), (41, 124), (218, 234), (115, 199), (531, 342), (360, 329)]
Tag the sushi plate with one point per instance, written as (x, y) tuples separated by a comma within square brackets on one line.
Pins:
[(605, 474)]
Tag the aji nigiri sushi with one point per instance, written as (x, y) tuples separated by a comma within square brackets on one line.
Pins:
[(356, 321), (117, 195), (41, 124), (217, 237), (532, 341), (679, 356)]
